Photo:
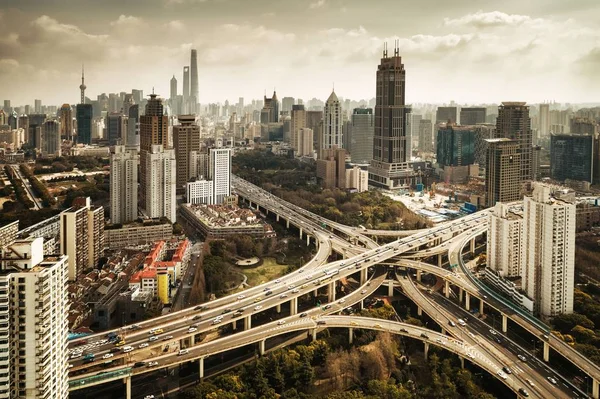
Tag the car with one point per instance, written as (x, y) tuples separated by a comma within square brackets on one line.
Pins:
[(283, 296), (139, 364), (135, 327), (152, 364), (155, 331), (257, 300), (281, 322), (471, 334), (472, 356), (342, 300), (295, 291), (451, 323), (182, 352), (107, 356), (423, 335), (377, 325), (127, 349), (192, 329), (498, 340), (353, 323), (404, 330), (506, 370), (531, 383), (143, 345), (363, 292), (303, 314), (217, 321), (301, 270), (523, 392), (522, 358), (149, 397), (240, 297), (266, 289), (115, 350), (321, 322), (227, 311), (201, 307), (328, 306), (257, 307), (168, 337), (502, 375), (303, 286), (197, 317), (120, 343), (493, 332), (153, 338), (278, 281), (552, 380)]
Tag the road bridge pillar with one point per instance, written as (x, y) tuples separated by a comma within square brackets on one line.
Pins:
[(462, 362), (267, 211), (350, 335), (419, 311), (316, 292), (504, 323), (546, 351), (127, 381), (331, 291), (287, 224), (307, 240), (278, 308), (447, 288), (468, 301), (293, 306), (277, 217), (439, 260), (250, 204), (426, 350), (481, 307), (444, 332), (362, 304), (472, 246), (247, 322), (261, 347), (201, 367), (460, 295), (595, 389), (301, 232), (391, 288), (363, 276), (314, 334), (234, 325), (419, 275)]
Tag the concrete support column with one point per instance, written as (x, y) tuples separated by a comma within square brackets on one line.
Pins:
[(247, 322), (293, 306), (363, 276), (250, 204), (472, 245), (201, 367), (301, 232), (234, 325), (447, 288), (426, 350), (181, 343), (419, 275), (278, 308), (193, 338), (419, 311), (504, 323), (439, 260), (546, 351), (460, 295), (391, 288), (467, 301), (350, 335), (331, 291), (277, 217), (127, 381), (362, 304), (261, 347), (314, 334), (316, 292), (595, 389), (287, 224), (462, 362), (307, 240), (444, 332), (481, 307)]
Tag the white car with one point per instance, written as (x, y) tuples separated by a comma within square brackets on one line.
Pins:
[(153, 338), (295, 290), (493, 332), (502, 375), (152, 364), (107, 356), (363, 292), (257, 307), (282, 296), (143, 345), (127, 349), (240, 297), (217, 321), (149, 397), (192, 329), (342, 300), (278, 281), (531, 383), (472, 356), (75, 355), (281, 322)]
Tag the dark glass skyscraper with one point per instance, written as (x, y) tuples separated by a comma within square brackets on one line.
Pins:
[(84, 114), (571, 157), (455, 146)]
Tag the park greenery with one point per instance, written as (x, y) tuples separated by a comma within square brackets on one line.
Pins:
[(293, 181), (67, 164), (37, 186)]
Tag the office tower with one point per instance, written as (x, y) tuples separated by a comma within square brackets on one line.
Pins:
[(548, 251), (389, 167), (133, 127), (502, 171), (24, 124), (123, 184), (360, 135), (332, 123), (84, 123), (3, 117), (455, 145), (270, 110), (7, 108), (583, 126), (159, 189), (35, 129), (173, 93), (82, 244), (154, 128), (186, 138), (66, 122), (513, 123), (194, 79), (415, 122), (305, 142), (331, 168), (297, 122), (275, 107), (138, 96), (536, 159), (314, 121), (34, 312), (446, 115), (572, 157), (186, 84), (12, 120), (51, 139), (286, 104), (38, 107), (220, 173), (472, 115), (425, 135), (504, 240), (544, 120), (114, 102), (116, 128), (482, 133), (127, 103)]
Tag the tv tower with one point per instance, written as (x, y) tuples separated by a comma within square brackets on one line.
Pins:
[(82, 86)]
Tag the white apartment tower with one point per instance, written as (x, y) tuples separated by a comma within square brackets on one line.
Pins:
[(548, 254), (33, 322), (332, 123), (160, 183), (304, 145), (504, 244), (123, 184), (220, 173)]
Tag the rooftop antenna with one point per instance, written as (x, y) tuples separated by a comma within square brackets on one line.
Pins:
[(397, 48), (152, 89), (385, 50)]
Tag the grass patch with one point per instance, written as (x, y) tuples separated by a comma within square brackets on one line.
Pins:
[(268, 271)]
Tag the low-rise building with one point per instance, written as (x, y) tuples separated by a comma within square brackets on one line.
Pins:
[(136, 234)]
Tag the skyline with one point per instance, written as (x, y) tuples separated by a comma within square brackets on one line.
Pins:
[(535, 52)]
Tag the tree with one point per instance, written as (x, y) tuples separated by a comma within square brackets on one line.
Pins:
[(566, 322)]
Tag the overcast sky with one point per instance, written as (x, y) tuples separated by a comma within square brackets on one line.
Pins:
[(463, 50)]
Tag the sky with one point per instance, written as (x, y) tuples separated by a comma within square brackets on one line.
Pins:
[(463, 50)]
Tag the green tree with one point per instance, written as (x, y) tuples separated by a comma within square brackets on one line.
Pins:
[(566, 322)]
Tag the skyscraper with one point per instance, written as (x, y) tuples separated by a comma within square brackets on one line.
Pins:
[(502, 171), (504, 241), (186, 139), (297, 122), (194, 81), (220, 173), (159, 184), (51, 139), (513, 123), (389, 167), (270, 110), (426, 135), (66, 122), (133, 127), (82, 87), (360, 135), (286, 104), (332, 123), (455, 145), (305, 142), (445, 115), (572, 157), (186, 85), (548, 251), (123, 184), (472, 115), (35, 308), (116, 128), (37, 107), (544, 120), (173, 93)]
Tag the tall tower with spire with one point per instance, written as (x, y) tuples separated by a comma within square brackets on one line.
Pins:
[(82, 86), (84, 114)]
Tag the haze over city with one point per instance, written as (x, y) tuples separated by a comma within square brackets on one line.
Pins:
[(531, 51)]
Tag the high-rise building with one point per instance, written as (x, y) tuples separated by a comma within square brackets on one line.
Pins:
[(286, 104), (482, 133), (66, 122), (270, 110), (159, 184), (544, 120), (455, 145), (425, 135), (116, 128), (389, 167), (186, 139), (331, 168), (220, 173), (173, 92), (446, 115), (35, 129), (314, 121), (7, 108), (154, 129), (513, 123), (33, 337), (504, 240), (305, 142), (123, 185), (51, 139), (186, 84), (37, 107), (332, 123), (194, 80), (133, 127), (297, 122), (13, 120), (572, 157), (502, 171), (472, 115), (548, 251), (84, 123), (82, 244), (360, 135), (413, 130), (583, 126)]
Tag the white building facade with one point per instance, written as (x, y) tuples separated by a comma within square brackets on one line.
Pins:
[(161, 174), (504, 244), (220, 173), (123, 185), (332, 123)]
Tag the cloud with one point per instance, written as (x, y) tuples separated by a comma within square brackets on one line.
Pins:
[(317, 4), (127, 20), (589, 63), (482, 19)]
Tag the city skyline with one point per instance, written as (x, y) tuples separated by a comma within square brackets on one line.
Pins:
[(532, 52)]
